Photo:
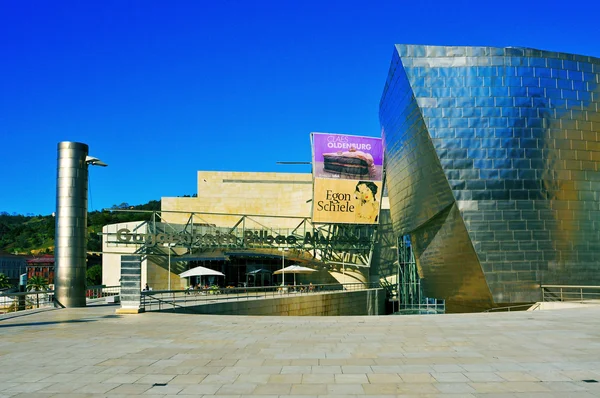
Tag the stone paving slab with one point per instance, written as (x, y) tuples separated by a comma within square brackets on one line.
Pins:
[(91, 352)]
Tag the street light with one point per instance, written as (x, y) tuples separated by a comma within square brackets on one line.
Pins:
[(94, 161), (283, 250)]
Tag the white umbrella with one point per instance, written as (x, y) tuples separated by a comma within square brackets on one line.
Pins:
[(295, 269), (200, 271)]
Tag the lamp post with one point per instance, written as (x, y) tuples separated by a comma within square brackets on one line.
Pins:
[(283, 250)]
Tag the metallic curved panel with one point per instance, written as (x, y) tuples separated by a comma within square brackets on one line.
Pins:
[(418, 174), (517, 134), (451, 273), (71, 224)]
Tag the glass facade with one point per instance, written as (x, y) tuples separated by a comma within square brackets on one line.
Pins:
[(493, 169)]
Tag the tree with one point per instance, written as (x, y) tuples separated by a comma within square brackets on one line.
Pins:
[(4, 283), (37, 284), (94, 275)]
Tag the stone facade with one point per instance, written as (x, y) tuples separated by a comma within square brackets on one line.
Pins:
[(245, 193)]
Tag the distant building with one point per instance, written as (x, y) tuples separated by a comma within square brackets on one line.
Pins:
[(12, 266), (41, 266)]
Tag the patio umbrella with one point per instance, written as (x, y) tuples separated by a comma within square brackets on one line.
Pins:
[(200, 271), (295, 269)]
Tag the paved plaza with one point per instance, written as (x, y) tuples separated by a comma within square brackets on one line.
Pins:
[(91, 352)]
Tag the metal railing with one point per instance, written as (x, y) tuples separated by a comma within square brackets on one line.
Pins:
[(427, 306), (154, 300), (520, 307), (558, 293), (100, 291), (21, 301), (570, 293)]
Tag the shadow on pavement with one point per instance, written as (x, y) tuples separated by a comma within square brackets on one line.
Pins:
[(12, 325)]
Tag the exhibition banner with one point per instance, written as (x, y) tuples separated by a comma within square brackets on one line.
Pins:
[(346, 201), (347, 178), (350, 157)]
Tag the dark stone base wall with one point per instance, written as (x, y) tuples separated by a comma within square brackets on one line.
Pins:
[(363, 302)]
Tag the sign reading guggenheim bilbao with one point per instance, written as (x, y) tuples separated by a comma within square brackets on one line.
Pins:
[(236, 238), (348, 174)]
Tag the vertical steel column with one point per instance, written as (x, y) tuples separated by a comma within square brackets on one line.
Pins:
[(71, 224)]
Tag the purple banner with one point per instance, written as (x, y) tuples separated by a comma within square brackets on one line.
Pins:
[(340, 156)]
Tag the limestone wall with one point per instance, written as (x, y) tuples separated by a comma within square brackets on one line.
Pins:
[(269, 194), (112, 251)]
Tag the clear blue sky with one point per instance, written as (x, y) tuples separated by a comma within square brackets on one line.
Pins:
[(161, 89)]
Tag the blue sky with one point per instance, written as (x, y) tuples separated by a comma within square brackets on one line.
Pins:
[(162, 89)]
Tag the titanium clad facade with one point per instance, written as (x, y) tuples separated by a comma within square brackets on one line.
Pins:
[(493, 169)]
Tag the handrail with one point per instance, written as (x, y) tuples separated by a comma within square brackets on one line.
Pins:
[(570, 286), (570, 293), (321, 287), (160, 300), (45, 298), (33, 292), (509, 307), (536, 307)]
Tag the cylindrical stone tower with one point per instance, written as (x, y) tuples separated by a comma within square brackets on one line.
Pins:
[(71, 224)]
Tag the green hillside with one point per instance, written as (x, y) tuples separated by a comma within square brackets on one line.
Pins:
[(35, 234)]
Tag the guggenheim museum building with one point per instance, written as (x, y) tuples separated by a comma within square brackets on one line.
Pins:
[(488, 165), (493, 169)]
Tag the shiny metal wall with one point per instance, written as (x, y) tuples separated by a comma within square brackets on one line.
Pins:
[(515, 135), (442, 247), (71, 224)]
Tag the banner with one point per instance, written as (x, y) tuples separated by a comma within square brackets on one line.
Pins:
[(348, 157), (346, 201), (348, 174)]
